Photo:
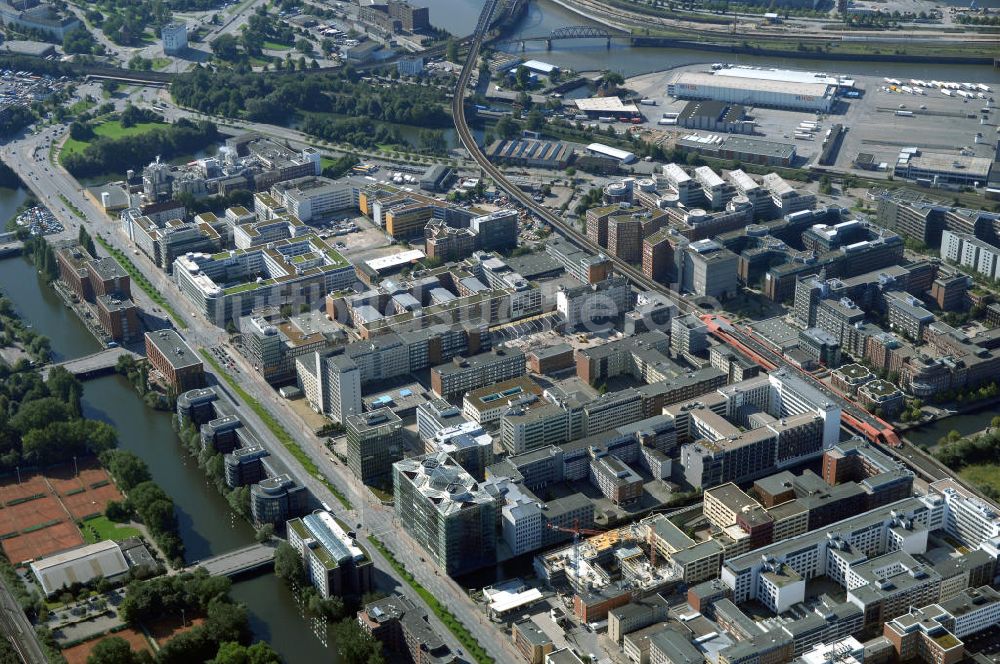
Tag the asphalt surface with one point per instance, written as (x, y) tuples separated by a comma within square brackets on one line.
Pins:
[(28, 156)]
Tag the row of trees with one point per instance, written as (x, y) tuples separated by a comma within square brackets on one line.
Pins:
[(107, 155)]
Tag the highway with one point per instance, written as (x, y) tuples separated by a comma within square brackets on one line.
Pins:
[(873, 428)]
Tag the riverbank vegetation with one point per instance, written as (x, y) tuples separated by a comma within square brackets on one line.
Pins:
[(116, 155), (137, 374), (13, 332), (976, 457), (354, 645), (276, 429)]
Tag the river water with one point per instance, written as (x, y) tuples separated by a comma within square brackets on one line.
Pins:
[(207, 525), (459, 18)]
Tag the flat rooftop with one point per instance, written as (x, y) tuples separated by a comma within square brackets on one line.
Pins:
[(176, 351)]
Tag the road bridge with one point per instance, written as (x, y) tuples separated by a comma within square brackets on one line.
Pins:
[(253, 558), (93, 365)]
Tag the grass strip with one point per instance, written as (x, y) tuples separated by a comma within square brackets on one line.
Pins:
[(279, 431), (140, 279), (72, 208), (454, 625)]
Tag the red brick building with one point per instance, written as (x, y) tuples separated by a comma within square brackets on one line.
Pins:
[(119, 317), (173, 358)]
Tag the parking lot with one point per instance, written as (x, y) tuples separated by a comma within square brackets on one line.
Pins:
[(931, 121)]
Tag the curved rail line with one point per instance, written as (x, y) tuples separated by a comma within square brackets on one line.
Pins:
[(858, 419)]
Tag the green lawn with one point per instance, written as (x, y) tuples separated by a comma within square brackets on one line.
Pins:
[(110, 129), (100, 528), (275, 46), (988, 474), (81, 106)]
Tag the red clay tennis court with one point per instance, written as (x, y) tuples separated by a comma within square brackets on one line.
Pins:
[(79, 653), (43, 542), (37, 515)]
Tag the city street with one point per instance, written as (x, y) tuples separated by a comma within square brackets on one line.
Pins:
[(29, 158)]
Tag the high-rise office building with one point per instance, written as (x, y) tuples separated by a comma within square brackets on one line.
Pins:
[(446, 511), (374, 443)]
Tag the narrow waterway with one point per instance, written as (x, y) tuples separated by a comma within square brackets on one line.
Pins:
[(542, 16), (207, 525), (965, 424)]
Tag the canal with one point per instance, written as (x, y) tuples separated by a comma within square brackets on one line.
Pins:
[(542, 16), (207, 525)]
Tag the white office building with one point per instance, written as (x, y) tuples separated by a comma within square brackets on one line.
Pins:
[(968, 251), (793, 396), (332, 385), (968, 518), (175, 38)]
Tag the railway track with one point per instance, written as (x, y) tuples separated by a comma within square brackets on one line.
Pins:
[(865, 423)]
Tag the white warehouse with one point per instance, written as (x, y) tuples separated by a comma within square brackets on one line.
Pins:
[(750, 91)]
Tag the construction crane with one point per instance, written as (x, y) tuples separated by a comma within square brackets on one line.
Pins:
[(577, 531)]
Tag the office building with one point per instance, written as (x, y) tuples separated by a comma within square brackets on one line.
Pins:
[(531, 641), (468, 373), (231, 284), (374, 443), (497, 230), (175, 39), (334, 563), (710, 270), (584, 267), (595, 304), (619, 483), (118, 317), (272, 343), (314, 198), (636, 615), (446, 243), (969, 518), (405, 631), (331, 385), (170, 355), (487, 404), (688, 335), (446, 511), (834, 551), (435, 415)]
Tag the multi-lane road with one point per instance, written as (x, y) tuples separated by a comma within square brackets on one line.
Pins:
[(29, 158)]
